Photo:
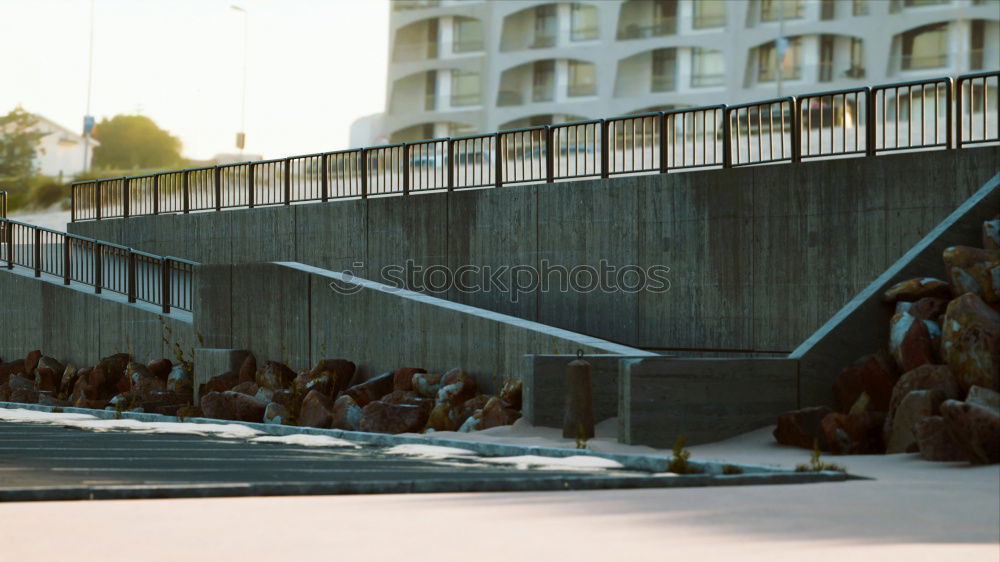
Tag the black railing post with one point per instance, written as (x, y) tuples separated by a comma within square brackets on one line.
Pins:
[(949, 91), (550, 167), (324, 178), (72, 204), (727, 139), (156, 194), (287, 165), (797, 127), (958, 112), (664, 160), (871, 123), (498, 158), (67, 261), (165, 285), (97, 198), (9, 228), (38, 251), (217, 173), (451, 165), (98, 273), (605, 149), (126, 198), (363, 171), (187, 192), (406, 168), (131, 276), (251, 187)]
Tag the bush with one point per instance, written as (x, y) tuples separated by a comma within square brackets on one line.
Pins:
[(35, 192)]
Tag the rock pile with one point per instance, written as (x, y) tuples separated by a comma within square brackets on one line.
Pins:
[(934, 388), (407, 400), (403, 401)]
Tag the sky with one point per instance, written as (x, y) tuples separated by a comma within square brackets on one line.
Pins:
[(314, 66)]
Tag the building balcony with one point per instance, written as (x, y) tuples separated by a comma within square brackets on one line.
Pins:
[(404, 5), (647, 30)]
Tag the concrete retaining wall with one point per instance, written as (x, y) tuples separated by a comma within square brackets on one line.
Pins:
[(74, 325), (289, 312), (760, 257)]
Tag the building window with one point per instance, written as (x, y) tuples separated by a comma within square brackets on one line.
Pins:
[(430, 90), (826, 58), (583, 23), (768, 63), (664, 70), (545, 27), (775, 10), (977, 43), (709, 13), (400, 5), (828, 10), (859, 7), (707, 68), (857, 68), (467, 35), (465, 88), (582, 79), (543, 80), (925, 47)]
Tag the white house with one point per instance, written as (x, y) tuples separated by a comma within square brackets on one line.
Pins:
[(60, 152)]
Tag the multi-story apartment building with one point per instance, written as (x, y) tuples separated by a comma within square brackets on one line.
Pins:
[(463, 66)]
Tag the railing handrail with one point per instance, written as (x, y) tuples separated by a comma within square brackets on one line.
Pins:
[(354, 173), (71, 241)]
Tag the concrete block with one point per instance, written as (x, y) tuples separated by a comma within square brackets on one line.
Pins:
[(545, 386), (704, 400)]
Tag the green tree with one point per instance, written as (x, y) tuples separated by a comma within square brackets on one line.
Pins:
[(18, 144), (133, 142)]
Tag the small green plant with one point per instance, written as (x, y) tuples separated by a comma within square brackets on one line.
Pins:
[(731, 469), (581, 436), (679, 460), (817, 465)]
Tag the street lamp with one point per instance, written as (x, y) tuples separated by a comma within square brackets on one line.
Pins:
[(241, 135)]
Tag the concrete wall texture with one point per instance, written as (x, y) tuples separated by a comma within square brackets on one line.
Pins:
[(74, 325), (289, 312), (760, 257)]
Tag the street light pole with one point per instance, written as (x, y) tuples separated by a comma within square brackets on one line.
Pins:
[(241, 135), (87, 119)]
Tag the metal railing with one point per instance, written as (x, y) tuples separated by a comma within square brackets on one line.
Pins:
[(3, 204), (166, 282), (929, 114)]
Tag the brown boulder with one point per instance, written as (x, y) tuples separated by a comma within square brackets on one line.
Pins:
[(346, 414), (912, 341), (12, 368), (970, 343), (248, 388), (22, 389), (925, 377), (31, 361), (460, 414), (248, 371), (160, 368), (371, 390), (275, 376), (379, 417), (408, 397), (934, 441), (231, 405), (928, 308), (221, 383), (46, 399), (916, 289), (426, 384), (974, 270), (402, 378), (306, 382), (47, 379), (456, 387), (68, 379), (975, 428), (340, 371), (854, 434), (145, 384), (277, 414), (915, 406), (439, 418), (316, 410), (984, 397), (180, 380), (511, 392), (495, 413), (801, 428), (876, 374)]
